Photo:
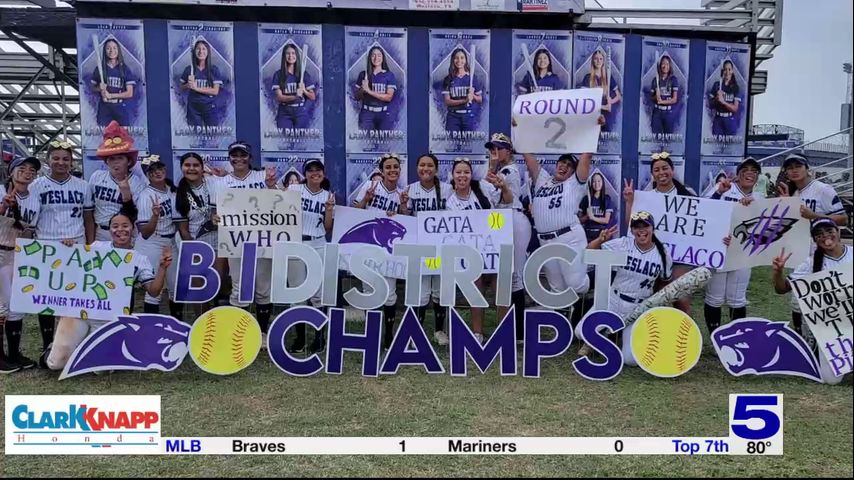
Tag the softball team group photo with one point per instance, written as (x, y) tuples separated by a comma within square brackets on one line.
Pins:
[(151, 215)]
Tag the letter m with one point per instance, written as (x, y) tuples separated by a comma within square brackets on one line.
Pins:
[(174, 446)]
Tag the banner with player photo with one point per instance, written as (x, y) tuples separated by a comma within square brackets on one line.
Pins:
[(288, 165), (715, 169), (291, 78), (375, 105), (201, 81), (542, 61), (727, 88), (645, 172), (362, 168), (459, 90), (598, 61), (663, 96), (76, 281), (213, 160), (600, 208), (111, 66)]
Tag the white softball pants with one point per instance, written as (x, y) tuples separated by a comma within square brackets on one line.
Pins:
[(521, 239), (152, 248), (728, 288), (429, 288), (70, 332), (7, 272), (297, 272), (562, 275), (263, 281)]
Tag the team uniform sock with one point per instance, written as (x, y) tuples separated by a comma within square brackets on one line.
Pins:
[(151, 307), (299, 342), (13, 338), (46, 326), (736, 313), (422, 314), (389, 311), (518, 299), (263, 312), (176, 310), (439, 316), (713, 317)]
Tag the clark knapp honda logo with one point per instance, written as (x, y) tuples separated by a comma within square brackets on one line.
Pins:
[(758, 233)]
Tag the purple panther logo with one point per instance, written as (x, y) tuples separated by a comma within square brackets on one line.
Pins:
[(762, 347), (382, 232), (758, 233), (142, 342)]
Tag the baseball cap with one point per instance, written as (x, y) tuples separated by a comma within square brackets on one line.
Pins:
[(795, 158), (499, 140), (568, 157), (313, 161), (240, 146), (820, 223), (748, 162), (643, 217), (36, 164)]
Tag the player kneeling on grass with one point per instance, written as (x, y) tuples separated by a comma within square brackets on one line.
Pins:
[(647, 264), (70, 331), (829, 253)]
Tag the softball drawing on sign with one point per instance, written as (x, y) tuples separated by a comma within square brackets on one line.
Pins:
[(666, 342), (225, 340), (496, 220)]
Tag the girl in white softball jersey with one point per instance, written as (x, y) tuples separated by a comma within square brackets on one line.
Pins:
[(71, 331), (664, 183), (243, 176), (731, 287), (428, 194), (469, 194), (19, 209), (318, 203), (62, 199), (647, 267), (830, 253), (156, 228), (384, 196)]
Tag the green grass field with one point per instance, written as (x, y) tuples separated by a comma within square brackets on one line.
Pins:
[(263, 401)]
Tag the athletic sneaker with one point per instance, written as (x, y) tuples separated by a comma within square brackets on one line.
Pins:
[(441, 338), (585, 350), (24, 362), (43, 357), (263, 341), (318, 345), (298, 346), (479, 337), (8, 366)]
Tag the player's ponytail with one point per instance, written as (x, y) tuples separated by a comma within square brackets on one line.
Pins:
[(660, 247), (817, 259)]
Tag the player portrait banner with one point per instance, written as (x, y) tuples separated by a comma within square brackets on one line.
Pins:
[(291, 77), (726, 88), (362, 168), (355, 227), (459, 90), (375, 105), (827, 304), (262, 217), (715, 169), (78, 281), (289, 165), (663, 96), (111, 65), (557, 121), (598, 61), (692, 228), (484, 230), (541, 61), (600, 208), (201, 82), (762, 229), (645, 171)]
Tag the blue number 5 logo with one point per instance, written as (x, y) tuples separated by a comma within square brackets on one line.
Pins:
[(763, 408)]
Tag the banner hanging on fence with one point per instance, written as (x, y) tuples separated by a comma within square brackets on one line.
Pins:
[(692, 228), (79, 281), (557, 121)]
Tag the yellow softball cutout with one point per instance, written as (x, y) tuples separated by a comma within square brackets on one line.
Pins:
[(433, 263), (496, 220), (225, 340), (666, 342)]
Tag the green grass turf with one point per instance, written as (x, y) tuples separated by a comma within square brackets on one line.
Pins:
[(263, 401)]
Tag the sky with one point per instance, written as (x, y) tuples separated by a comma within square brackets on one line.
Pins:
[(806, 85)]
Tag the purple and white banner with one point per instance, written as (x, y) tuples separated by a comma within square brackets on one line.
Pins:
[(376, 90), (542, 60), (761, 230), (459, 90), (727, 89), (599, 60), (663, 96), (600, 208), (111, 62), (291, 80)]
